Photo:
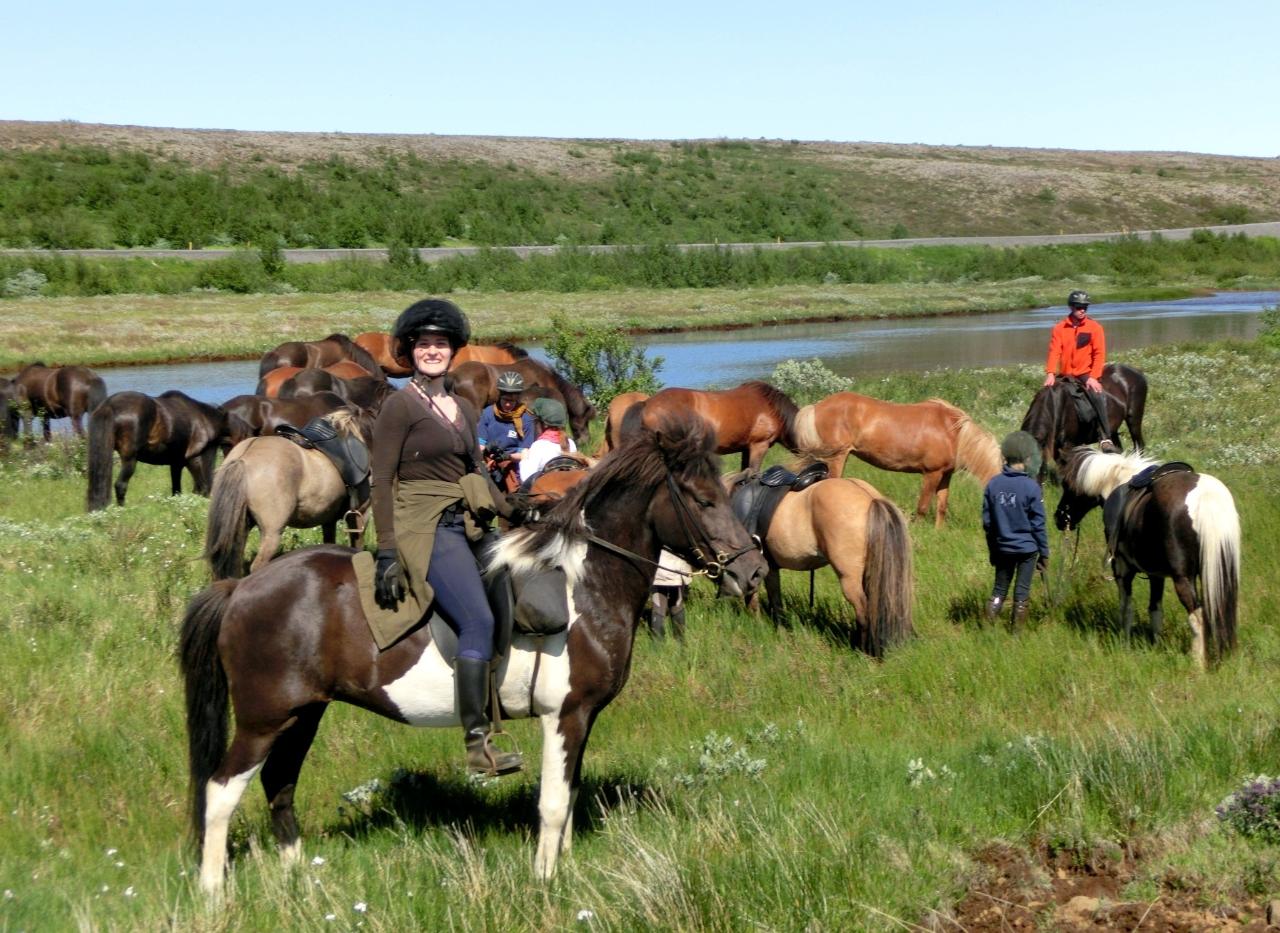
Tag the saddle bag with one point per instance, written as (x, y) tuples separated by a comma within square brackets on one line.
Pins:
[(542, 602)]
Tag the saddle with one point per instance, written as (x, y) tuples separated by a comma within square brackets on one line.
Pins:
[(348, 454), (1086, 414), (756, 497), (1128, 496)]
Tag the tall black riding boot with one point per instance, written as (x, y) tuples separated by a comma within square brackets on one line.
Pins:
[(472, 679)]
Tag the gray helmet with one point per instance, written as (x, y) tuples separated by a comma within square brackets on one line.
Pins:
[(1078, 299), (549, 412), (1021, 447), (510, 381), (430, 316)]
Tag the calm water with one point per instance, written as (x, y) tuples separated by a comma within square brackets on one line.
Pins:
[(851, 348)]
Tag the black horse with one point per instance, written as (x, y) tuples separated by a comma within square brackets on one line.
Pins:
[(1164, 521), (172, 429), (1055, 422), (52, 392)]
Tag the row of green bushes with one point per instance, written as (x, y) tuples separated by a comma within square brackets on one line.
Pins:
[(1129, 261)]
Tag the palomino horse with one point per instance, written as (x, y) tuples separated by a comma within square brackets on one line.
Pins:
[(272, 382), (478, 383), (58, 392), (264, 415), (1052, 418), (848, 524), (933, 438), (283, 643), (1179, 524), (614, 417), (381, 347), (750, 418), (171, 430), (273, 483), (318, 353)]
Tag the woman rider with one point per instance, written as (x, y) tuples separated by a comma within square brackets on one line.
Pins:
[(423, 446)]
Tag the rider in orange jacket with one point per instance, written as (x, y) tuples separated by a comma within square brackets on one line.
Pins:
[(1078, 348)]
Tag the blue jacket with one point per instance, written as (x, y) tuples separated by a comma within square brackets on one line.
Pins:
[(492, 430), (1013, 516)]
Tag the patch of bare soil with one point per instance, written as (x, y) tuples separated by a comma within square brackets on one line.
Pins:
[(1020, 891)]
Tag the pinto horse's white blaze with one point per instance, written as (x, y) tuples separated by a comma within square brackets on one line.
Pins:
[(221, 801)]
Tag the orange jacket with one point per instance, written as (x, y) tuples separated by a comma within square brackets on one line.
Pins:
[(1077, 350)]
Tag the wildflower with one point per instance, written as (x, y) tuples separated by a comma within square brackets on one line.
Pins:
[(129, 892), (318, 860), (360, 907), (111, 852), (586, 916), (331, 916)]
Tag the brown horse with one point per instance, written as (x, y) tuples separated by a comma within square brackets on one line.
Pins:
[(171, 430), (273, 483), (933, 438), (618, 408), (478, 383), (1055, 422), (264, 415), (318, 353), (381, 347), (283, 643), (12, 399), (271, 383), (58, 392), (863, 536), (750, 418)]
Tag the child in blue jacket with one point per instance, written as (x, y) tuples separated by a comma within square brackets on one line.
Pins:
[(1013, 518)]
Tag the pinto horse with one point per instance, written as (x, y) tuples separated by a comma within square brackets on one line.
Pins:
[(318, 353), (933, 438), (171, 430), (748, 419), (1179, 524), (58, 392), (478, 383), (273, 382), (1053, 421), (283, 643), (614, 418)]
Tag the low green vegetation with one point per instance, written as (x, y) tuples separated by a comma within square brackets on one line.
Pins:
[(751, 778)]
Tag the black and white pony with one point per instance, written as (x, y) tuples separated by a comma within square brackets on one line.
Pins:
[(1171, 522)]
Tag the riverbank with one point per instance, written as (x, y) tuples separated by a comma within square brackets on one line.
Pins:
[(137, 329)]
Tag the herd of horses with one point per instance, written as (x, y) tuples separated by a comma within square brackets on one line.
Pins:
[(656, 485)]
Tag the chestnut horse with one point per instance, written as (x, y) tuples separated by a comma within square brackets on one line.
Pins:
[(273, 483), (862, 535), (283, 643), (613, 419), (381, 347), (318, 353), (933, 438), (264, 415), (171, 430), (1181, 524), (1053, 421), (478, 383), (271, 383), (750, 418), (52, 392)]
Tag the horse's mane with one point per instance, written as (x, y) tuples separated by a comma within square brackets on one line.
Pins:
[(680, 444), (358, 354), (519, 353), (1042, 413), (782, 406), (1095, 473), (349, 423)]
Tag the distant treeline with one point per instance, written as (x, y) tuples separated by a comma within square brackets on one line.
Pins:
[(90, 197), (1223, 260)]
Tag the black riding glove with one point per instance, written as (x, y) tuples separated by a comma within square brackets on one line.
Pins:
[(388, 579)]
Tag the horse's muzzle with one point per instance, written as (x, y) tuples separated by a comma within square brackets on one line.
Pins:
[(742, 576)]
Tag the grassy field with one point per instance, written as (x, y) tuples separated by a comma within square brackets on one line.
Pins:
[(750, 778)]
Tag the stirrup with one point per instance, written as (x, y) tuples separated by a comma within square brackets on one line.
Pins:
[(511, 762)]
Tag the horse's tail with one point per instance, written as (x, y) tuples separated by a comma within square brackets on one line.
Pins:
[(517, 353), (977, 450), (804, 433), (97, 393), (228, 527), (206, 689), (102, 447), (887, 578), (1214, 518)]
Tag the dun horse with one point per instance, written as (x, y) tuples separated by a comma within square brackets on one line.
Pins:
[(1175, 524), (478, 383), (318, 353), (273, 483), (748, 419), (171, 430), (933, 438), (1053, 419), (288, 640), (58, 392)]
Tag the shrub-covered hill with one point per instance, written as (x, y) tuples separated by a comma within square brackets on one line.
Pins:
[(66, 185)]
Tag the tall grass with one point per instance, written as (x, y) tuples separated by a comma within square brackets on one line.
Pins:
[(752, 777)]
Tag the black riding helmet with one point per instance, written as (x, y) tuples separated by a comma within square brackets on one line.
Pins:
[(1078, 299), (430, 316)]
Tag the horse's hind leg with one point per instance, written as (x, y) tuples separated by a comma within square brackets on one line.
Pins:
[(127, 466), (268, 544), (222, 796), (1186, 590), (1155, 614), (280, 778)]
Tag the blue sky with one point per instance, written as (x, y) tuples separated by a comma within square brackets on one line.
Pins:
[(1170, 75)]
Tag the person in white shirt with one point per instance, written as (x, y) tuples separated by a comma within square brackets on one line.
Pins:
[(553, 440), (670, 584)]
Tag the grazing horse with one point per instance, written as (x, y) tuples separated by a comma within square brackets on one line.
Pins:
[(264, 415), (615, 416), (273, 483), (283, 643), (171, 430), (1053, 421), (478, 383), (272, 382), (318, 353), (12, 398), (1170, 522), (749, 419), (933, 438), (848, 524), (58, 392)]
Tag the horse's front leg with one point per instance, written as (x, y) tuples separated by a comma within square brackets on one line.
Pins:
[(564, 737), (1124, 581), (201, 467), (329, 532), (928, 486), (175, 477), (1155, 614), (773, 594), (944, 496), (77, 425)]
